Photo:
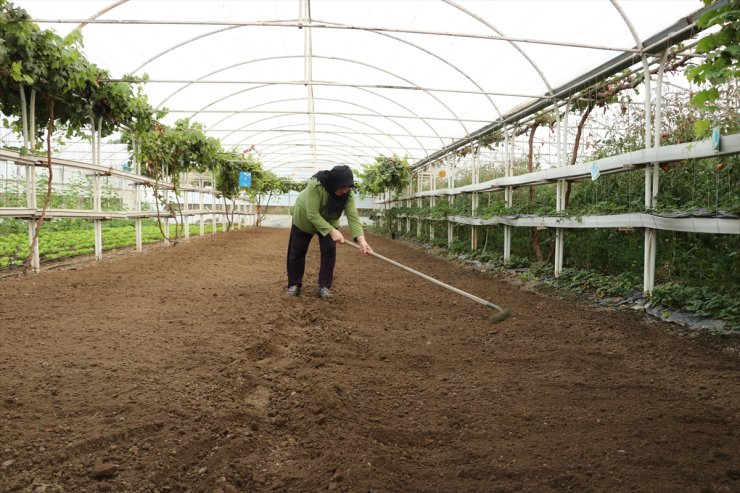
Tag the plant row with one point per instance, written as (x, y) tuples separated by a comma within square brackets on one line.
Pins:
[(697, 273), (57, 244)]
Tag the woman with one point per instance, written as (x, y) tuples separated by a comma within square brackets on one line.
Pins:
[(317, 211)]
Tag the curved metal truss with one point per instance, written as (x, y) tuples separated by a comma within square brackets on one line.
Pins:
[(348, 81)]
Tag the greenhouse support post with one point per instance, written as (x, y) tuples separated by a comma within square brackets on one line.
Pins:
[(214, 202), (432, 177), (166, 229), (399, 222), (409, 192), (650, 234), (137, 196), (418, 201), (97, 223), (185, 222), (648, 276), (165, 221), (474, 199), (508, 192), (560, 185), (137, 221), (657, 125), (451, 201), (32, 204), (202, 216)]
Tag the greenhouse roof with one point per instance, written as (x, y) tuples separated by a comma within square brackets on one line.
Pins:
[(308, 84)]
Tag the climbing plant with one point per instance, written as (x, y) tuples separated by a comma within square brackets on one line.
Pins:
[(167, 152), (722, 61), (388, 175), (227, 168)]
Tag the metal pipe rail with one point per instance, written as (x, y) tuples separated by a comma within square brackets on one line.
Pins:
[(710, 225), (32, 212), (730, 144), (40, 161)]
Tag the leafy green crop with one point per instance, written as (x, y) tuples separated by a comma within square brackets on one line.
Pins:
[(55, 245)]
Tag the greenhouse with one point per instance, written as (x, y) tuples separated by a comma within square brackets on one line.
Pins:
[(545, 195)]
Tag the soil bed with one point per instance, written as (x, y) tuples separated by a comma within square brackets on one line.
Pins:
[(186, 369)]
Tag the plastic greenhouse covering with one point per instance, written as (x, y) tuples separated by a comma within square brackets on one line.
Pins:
[(312, 83)]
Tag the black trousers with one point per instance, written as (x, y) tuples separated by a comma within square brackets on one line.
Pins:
[(297, 249)]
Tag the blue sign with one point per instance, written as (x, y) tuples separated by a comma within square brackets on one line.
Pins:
[(595, 173), (715, 138), (245, 178)]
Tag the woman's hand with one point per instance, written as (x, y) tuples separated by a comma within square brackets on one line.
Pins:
[(364, 247), (337, 236)]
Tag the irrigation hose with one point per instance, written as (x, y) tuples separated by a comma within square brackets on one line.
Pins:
[(503, 313)]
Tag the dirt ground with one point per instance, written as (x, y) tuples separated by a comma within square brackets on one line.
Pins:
[(185, 369)]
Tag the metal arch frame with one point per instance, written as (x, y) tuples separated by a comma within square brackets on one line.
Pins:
[(303, 133), (340, 116), (183, 43), (409, 134), (396, 38), (321, 57), (351, 152), (355, 143), (336, 101), (326, 143), (645, 68), (340, 145), (681, 30), (235, 130), (380, 144), (328, 83), (358, 88), (350, 159), (95, 16), (316, 25), (359, 160), (298, 112), (422, 120), (347, 135), (570, 87), (308, 162), (294, 142), (455, 67), (304, 8), (512, 43), (651, 176), (329, 143)]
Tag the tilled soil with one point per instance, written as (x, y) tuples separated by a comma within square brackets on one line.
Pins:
[(186, 369)]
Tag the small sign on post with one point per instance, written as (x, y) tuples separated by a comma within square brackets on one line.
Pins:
[(245, 179), (595, 173), (715, 138)]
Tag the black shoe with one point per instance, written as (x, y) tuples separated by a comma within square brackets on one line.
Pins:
[(294, 291), (325, 293)]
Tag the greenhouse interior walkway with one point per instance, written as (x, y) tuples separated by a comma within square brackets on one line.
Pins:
[(186, 369)]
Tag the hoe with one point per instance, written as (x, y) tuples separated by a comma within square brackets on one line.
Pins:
[(503, 313)]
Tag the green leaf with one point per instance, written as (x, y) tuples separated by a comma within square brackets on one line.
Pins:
[(701, 128)]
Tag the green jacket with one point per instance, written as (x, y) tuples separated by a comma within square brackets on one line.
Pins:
[(311, 215)]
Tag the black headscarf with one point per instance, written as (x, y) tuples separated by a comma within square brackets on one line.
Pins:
[(334, 179)]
